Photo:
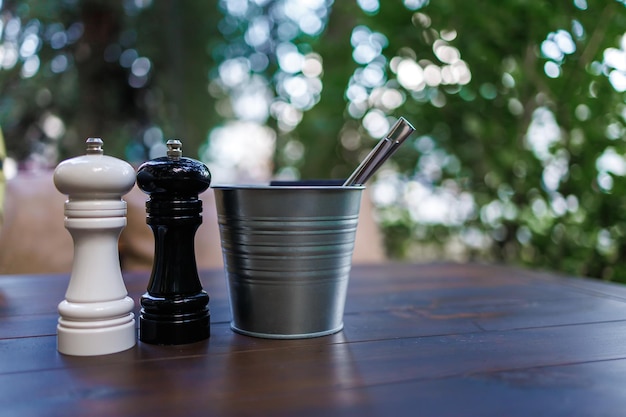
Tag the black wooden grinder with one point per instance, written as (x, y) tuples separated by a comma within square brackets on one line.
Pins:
[(175, 308)]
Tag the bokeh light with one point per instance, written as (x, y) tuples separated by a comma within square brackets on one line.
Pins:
[(269, 68), (248, 90)]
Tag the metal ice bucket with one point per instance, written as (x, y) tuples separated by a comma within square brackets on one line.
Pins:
[(287, 253)]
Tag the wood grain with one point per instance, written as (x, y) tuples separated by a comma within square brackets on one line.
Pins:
[(432, 340)]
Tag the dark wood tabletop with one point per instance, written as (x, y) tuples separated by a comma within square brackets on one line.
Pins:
[(419, 340)]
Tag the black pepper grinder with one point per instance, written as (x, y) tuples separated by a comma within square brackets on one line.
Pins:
[(175, 308)]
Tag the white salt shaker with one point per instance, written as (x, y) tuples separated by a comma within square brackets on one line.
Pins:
[(96, 317)]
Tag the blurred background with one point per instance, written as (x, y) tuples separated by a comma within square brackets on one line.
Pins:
[(520, 108)]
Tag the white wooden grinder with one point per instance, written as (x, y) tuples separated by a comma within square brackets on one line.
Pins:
[(96, 317)]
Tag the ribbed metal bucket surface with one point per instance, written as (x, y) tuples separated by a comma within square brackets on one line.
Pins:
[(287, 255)]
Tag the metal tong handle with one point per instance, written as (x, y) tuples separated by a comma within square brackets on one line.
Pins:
[(401, 130)]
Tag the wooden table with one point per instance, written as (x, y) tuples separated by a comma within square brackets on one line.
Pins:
[(419, 340)]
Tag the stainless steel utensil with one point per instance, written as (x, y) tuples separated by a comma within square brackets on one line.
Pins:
[(401, 130)]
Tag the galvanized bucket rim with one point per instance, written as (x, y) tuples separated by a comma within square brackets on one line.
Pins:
[(286, 187)]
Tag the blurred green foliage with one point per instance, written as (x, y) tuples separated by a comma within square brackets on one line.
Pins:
[(524, 161), (85, 81)]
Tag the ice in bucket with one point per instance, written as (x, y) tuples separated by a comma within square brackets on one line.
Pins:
[(287, 253)]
